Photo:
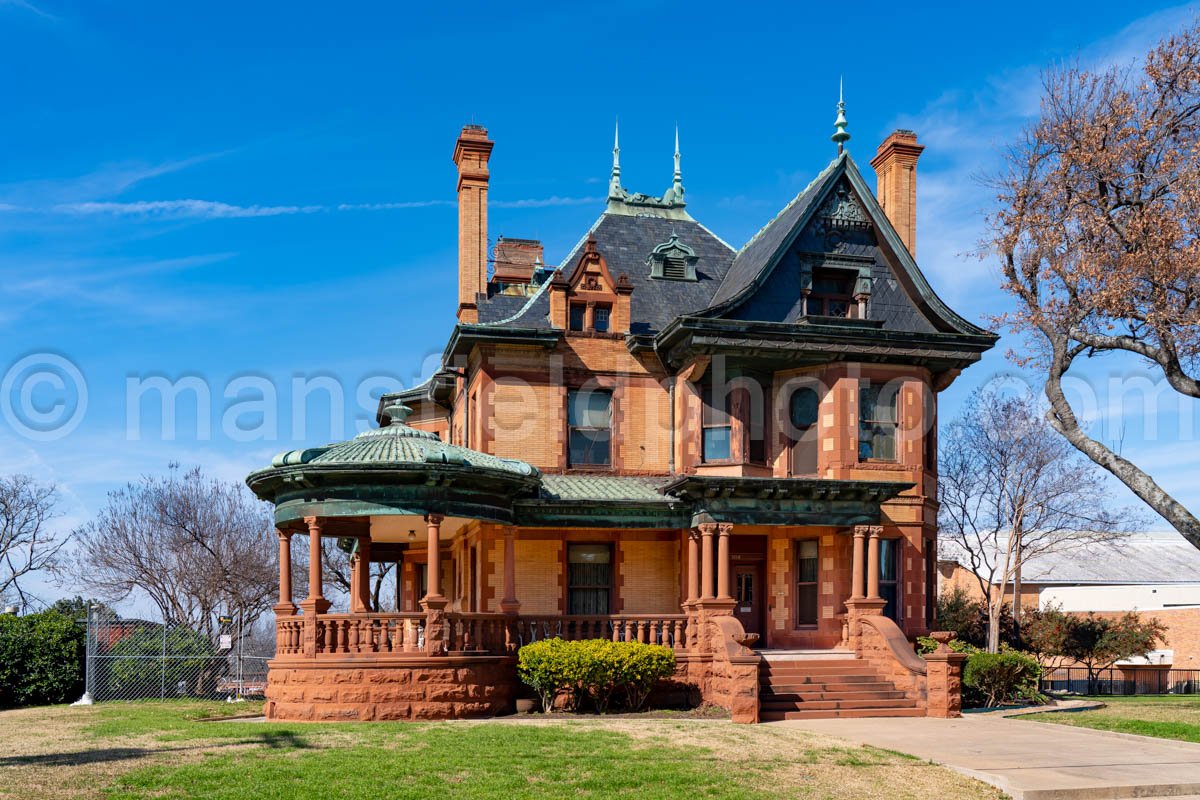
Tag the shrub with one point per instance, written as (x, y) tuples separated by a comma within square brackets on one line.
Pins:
[(41, 659), (595, 668), (927, 645), (642, 666), (1002, 677)]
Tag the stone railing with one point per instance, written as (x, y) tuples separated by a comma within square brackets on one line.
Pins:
[(465, 633), (367, 634), (478, 633), (669, 630)]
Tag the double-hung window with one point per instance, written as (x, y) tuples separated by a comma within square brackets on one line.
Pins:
[(589, 578), (877, 423), (716, 425), (589, 423), (807, 563)]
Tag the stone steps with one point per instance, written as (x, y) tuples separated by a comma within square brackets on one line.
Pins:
[(826, 688), (847, 713)]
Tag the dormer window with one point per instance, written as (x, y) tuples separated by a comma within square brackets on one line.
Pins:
[(673, 261), (600, 318), (832, 294), (578, 315)]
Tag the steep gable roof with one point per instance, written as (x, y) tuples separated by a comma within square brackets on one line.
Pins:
[(755, 261)]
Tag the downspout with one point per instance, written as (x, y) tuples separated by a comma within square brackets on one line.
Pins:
[(671, 402)]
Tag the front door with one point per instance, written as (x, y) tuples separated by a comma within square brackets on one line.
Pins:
[(748, 591)]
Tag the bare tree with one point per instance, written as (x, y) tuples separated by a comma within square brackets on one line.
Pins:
[(335, 567), (27, 544), (1012, 490), (1097, 237), (195, 546)]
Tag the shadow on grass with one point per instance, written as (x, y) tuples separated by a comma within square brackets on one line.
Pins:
[(272, 740)]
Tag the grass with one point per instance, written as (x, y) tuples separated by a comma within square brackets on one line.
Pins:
[(165, 750), (1160, 716)]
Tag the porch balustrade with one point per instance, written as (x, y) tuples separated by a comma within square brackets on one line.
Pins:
[(369, 634), (669, 630), (403, 634)]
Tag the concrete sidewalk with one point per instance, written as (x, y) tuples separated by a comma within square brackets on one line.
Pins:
[(1033, 760)]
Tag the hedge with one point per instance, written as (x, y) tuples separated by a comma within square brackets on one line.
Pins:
[(1003, 677), (41, 659), (597, 669)]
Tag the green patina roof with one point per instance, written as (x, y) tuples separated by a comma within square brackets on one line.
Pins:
[(603, 488), (399, 445)]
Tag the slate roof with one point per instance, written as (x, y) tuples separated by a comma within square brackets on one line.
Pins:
[(1154, 557), (758, 256), (626, 242), (762, 248), (567, 488)]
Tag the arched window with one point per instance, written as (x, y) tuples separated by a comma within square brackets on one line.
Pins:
[(803, 407)]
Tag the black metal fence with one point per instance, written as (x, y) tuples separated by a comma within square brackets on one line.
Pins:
[(1123, 681)]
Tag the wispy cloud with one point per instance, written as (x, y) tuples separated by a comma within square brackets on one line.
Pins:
[(25, 5), (397, 206), (547, 202), (181, 209), (214, 209)]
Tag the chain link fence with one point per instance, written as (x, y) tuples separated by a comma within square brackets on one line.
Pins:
[(138, 659)]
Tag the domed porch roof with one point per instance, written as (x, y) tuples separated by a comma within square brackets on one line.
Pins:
[(393, 471)]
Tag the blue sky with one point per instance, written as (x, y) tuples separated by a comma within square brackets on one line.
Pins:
[(259, 191)]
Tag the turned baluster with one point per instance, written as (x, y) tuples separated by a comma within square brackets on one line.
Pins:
[(678, 639)]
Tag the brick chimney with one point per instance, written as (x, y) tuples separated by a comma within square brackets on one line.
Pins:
[(896, 170), (471, 153)]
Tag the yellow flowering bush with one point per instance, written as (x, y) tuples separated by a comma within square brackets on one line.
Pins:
[(595, 668)]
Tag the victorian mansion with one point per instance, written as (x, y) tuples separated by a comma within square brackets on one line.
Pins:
[(728, 451)]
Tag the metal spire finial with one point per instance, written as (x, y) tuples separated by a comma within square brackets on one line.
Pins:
[(840, 135), (677, 184), (614, 181)]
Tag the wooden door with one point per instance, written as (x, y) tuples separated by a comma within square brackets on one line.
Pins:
[(748, 591)]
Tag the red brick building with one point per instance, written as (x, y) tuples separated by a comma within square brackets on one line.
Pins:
[(726, 451)]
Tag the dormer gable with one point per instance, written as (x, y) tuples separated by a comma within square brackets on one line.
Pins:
[(591, 301), (834, 232)]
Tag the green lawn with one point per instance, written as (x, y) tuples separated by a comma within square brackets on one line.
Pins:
[(1162, 716), (156, 750)]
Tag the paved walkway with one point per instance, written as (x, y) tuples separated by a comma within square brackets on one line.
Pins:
[(1033, 760)]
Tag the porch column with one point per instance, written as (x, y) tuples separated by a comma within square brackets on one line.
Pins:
[(856, 563), (316, 602), (693, 583), (433, 579), (873, 563), (433, 602), (509, 604), (360, 577), (723, 566), (285, 607), (707, 529)]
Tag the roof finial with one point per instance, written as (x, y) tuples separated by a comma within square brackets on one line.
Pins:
[(840, 135), (614, 182), (677, 185)]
